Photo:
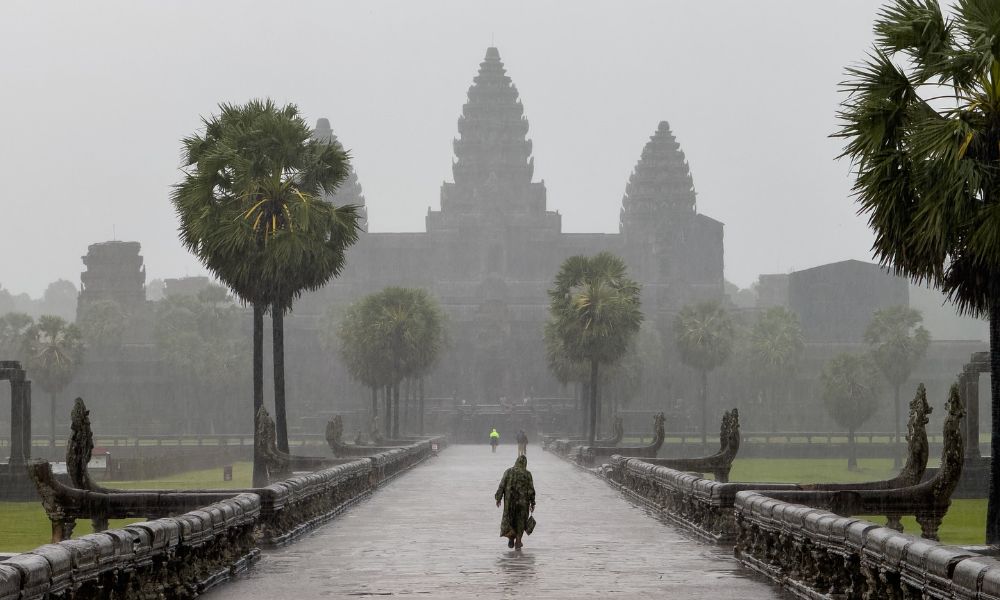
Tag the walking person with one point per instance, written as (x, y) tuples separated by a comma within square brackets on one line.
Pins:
[(494, 439), (517, 491), (522, 443)]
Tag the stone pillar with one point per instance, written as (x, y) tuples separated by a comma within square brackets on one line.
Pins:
[(20, 422)]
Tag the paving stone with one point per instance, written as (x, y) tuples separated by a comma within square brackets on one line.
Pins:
[(434, 533)]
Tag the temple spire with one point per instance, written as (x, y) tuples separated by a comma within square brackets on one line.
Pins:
[(349, 191), (660, 189)]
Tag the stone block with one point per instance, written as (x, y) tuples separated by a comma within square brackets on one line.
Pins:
[(894, 550), (856, 534), (84, 557), (10, 582), (60, 566), (939, 566), (196, 529), (127, 545), (35, 574), (105, 550), (972, 579)]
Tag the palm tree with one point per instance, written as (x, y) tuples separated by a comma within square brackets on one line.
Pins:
[(250, 208), (704, 334), (53, 350), (849, 395), (358, 348), (898, 342), (922, 125), (431, 342), (774, 346), (594, 309)]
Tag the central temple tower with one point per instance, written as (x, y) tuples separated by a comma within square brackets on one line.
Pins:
[(493, 169)]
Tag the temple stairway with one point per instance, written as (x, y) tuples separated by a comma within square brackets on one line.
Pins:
[(434, 533)]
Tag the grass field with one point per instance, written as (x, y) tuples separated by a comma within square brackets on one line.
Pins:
[(23, 525), (965, 522)]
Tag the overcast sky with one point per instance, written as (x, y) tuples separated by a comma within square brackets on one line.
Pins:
[(96, 96)]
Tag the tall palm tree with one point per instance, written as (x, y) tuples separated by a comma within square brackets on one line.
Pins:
[(898, 342), (922, 126), (358, 348), (250, 207), (704, 334), (53, 350), (849, 395), (594, 308)]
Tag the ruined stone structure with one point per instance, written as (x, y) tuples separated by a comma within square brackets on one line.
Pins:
[(490, 252), (14, 481), (114, 272)]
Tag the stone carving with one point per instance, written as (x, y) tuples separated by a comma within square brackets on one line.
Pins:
[(14, 482), (340, 448), (720, 463), (275, 462), (589, 455), (927, 501)]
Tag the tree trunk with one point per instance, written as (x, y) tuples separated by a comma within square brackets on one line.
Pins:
[(407, 393), (993, 505), (278, 352), (584, 399), (704, 409), (374, 401), (395, 411), (420, 392), (592, 429), (852, 455), (387, 399), (259, 476), (52, 425), (895, 446)]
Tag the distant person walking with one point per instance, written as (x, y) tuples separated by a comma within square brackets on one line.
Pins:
[(494, 439), (517, 491), (522, 442)]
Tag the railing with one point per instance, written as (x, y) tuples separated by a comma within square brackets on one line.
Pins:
[(817, 554), (181, 556)]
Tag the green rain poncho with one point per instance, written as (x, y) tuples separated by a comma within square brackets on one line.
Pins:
[(517, 491)]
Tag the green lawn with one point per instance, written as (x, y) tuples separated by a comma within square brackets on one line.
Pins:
[(23, 525), (965, 522)]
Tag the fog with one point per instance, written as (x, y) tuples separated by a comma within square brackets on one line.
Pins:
[(98, 95)]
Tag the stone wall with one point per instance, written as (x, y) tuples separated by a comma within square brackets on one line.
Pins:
[(182, 556)]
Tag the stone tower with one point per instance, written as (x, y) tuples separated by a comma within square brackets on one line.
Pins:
[(667, 244), (114, 272), (493, 166), (349, 191)]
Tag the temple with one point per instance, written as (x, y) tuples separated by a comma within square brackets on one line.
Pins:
[(491, 251)]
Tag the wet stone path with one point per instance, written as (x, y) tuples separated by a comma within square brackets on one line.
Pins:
[(434, 533)]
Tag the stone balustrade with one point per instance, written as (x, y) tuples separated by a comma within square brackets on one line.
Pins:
[(201, 538), (703, 506), (176, 557), (818, 554)]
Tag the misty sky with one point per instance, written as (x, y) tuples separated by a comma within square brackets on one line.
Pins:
[(97, 95)]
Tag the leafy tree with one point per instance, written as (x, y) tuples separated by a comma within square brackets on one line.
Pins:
[(60, 299), (251, 209), (921, 124), (390, 336), (200, 339), (53, 351), (13, 328), (594, 308), (704, 334), (773, 348), (898, 342), (849, 395), (102, 324)]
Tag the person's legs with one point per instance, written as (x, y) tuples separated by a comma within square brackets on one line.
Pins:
[(517, 543)]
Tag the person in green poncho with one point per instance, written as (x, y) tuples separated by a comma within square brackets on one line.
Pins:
[(517, 491)]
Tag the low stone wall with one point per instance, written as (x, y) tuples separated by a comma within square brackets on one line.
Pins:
[(177, 557), (181, 556), (158, 462), (702, 506), (817, 554)]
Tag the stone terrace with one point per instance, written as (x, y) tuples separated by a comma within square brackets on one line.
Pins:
[(434, 533)]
